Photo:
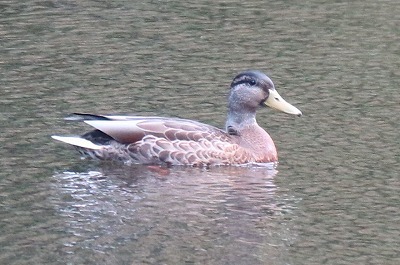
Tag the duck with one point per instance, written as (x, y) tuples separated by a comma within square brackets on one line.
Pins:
[(176, 141)]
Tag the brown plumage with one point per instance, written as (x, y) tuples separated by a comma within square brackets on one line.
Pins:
[(173, 141)]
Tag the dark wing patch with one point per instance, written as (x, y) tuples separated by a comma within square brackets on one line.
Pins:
[(84, 117)]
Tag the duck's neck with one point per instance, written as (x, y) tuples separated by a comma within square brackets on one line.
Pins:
[(238, 119), (239, 116), (250, 135)]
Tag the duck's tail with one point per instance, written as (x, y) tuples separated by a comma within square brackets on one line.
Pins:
[(77, 141)]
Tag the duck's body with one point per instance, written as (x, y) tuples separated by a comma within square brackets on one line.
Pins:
[(172, 141)]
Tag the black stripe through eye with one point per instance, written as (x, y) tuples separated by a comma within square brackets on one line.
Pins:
[(247, 81)]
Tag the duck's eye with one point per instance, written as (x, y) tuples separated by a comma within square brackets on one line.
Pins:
[(252, 82)]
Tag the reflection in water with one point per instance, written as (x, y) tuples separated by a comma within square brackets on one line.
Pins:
[(226, 213)]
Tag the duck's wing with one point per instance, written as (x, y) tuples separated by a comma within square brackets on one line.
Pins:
[(130, 129)]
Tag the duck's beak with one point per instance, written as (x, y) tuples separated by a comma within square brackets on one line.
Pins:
[(275, 101)]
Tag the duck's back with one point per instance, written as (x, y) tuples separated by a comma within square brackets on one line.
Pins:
[(159, 140)]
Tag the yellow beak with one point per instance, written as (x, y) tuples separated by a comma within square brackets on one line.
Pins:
[(275, 101)]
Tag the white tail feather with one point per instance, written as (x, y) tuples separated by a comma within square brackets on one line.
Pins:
[(77, 141)]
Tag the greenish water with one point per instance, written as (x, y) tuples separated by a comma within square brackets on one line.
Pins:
[(334, 198)]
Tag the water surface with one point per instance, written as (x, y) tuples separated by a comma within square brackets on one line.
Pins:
[(333, 199)]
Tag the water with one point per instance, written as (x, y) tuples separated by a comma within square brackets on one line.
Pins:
[(333, 199)]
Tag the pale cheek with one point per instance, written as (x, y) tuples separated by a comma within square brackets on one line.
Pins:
[(258, 97)]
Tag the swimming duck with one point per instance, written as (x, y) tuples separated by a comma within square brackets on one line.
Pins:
[(174, 141)]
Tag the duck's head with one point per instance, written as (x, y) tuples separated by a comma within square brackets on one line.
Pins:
[(251, 89)]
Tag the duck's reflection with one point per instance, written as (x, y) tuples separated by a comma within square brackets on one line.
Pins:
[(224, 212)]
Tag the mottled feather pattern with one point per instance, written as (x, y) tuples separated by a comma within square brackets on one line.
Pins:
[(155, 150), (180, 152)]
